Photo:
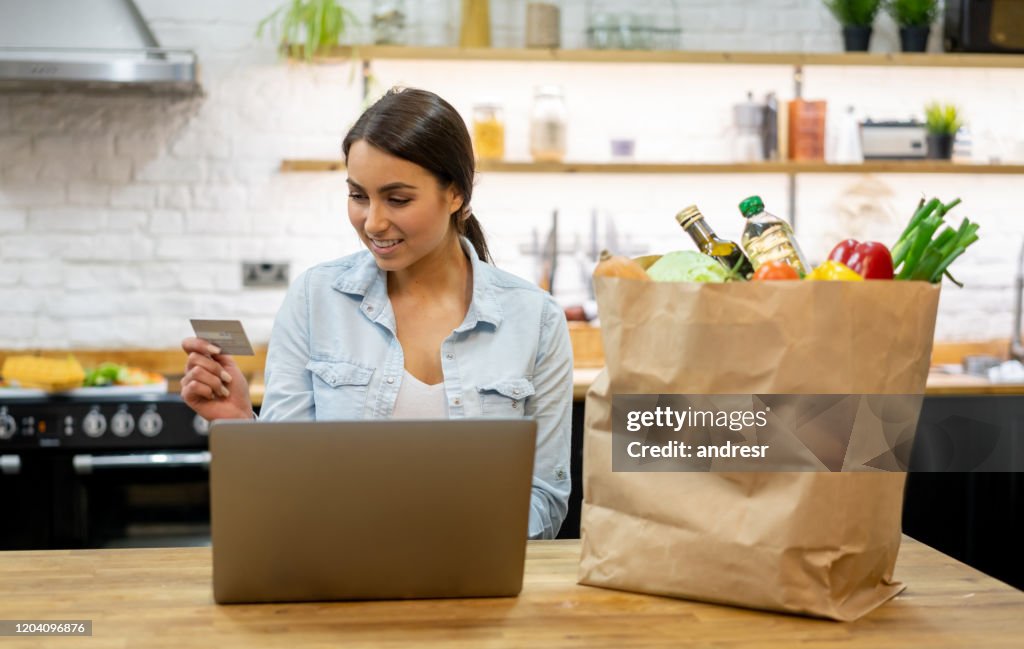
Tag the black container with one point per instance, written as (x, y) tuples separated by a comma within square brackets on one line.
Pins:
[(984, 26), (914, 38), (940, 146), (856, 38)]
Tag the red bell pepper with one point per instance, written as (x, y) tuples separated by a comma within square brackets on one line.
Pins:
[(869, 259)]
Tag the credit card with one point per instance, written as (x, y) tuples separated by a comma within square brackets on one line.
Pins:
[(226, 334)]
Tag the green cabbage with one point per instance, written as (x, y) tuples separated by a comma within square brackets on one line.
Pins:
[(687, 266)]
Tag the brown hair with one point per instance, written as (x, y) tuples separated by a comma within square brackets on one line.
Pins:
[(418, 126)]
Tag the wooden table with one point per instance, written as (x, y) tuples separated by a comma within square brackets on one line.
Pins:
[(162, 598)]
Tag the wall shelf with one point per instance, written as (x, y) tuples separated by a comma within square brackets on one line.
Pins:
[(863, 59), (894, 166), (797, 61)]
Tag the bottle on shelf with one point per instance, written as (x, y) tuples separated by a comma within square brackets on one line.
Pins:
[(728, 253), (768, 238), (476, 24)]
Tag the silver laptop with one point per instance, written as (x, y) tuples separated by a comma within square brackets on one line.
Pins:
[(394, 509)]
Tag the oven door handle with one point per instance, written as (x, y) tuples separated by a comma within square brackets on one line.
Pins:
[(10, 464), (86, 464)]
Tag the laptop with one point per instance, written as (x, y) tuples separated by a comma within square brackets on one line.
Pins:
[(390, 509)]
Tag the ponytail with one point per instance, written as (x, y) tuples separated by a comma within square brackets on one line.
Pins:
[(469, 227)]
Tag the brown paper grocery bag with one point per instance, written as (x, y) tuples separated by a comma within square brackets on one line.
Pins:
[(814, 543)]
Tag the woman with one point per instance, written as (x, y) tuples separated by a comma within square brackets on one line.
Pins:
[(419, 324)]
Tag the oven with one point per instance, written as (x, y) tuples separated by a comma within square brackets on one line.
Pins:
[(128, 470)]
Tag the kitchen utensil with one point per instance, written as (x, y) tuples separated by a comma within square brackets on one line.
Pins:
[(748, 118)]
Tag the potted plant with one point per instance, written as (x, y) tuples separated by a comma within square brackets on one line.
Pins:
[(308, 27), (914, 18), (856, 17), (942, 121)]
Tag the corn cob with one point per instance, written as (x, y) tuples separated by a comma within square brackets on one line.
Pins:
[(51, 374)]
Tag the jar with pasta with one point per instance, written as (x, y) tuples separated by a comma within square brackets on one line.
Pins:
[(488, 132)]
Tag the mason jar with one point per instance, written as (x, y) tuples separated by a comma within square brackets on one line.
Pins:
[(548, 125), (488, 131)]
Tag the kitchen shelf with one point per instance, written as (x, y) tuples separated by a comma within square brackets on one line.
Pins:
[(797, 61), (861, 59), (895, 166)]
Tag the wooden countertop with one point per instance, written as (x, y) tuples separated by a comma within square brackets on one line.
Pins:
[(163, 598), (586, 349)]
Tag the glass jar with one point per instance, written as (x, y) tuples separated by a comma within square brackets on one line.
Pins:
[(488, 132), (543, 24), (548, 125)]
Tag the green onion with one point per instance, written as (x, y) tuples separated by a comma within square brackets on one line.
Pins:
[(918, 256)]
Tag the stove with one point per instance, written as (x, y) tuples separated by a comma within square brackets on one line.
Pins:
[(30, 422), (101, 467)]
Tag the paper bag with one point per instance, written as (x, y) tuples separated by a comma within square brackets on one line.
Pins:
[(815, 543)]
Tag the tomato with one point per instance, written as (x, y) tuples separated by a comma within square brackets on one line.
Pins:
[(776, 270)]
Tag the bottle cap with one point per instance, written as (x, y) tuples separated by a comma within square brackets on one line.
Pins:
[(688, 216), (751, 206)]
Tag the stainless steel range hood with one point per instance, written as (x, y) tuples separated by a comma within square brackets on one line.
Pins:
[(88, 45)]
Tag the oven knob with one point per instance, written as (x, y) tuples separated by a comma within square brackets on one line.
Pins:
[(94, 424), (122, 424), (7, 425), (151, 423), (201, 426)]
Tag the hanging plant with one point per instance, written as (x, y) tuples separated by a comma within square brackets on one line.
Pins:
[(308, 27)]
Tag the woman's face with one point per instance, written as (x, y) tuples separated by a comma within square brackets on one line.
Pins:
[(397, 207)]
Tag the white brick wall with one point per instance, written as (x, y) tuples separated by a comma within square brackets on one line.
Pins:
[(121, 217)]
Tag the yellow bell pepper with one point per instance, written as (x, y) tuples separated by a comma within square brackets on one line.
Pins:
[(835, 271)]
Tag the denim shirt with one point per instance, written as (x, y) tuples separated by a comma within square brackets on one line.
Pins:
[(334, 354)]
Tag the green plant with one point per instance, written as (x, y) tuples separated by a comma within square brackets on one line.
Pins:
[(942, 119), (912, 13), (854, 13), (309, 26)]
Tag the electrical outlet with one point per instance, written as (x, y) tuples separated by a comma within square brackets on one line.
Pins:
[(264, 274)]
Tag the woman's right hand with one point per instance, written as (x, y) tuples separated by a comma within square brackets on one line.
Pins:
[(213, 385)]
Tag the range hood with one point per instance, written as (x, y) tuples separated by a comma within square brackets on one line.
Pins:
[(88, 45)]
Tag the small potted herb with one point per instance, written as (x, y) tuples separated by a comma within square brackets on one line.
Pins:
[(914, 18), (942, 121), (856, 17), (308, 27)]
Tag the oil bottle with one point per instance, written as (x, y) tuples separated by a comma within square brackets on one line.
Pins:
[(727, 253), (768, 238)]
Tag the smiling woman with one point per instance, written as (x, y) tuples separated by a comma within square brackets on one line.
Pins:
[(421, 324), (418, 128)]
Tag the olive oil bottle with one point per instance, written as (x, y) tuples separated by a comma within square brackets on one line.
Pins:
[(728, 253)]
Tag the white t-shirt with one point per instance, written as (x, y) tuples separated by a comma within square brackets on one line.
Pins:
[(417, 400)]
